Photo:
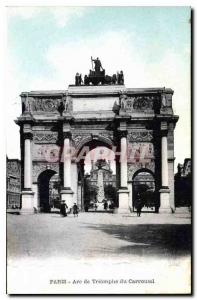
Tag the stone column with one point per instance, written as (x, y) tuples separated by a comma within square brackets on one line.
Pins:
[(74, 180), (79, 198), (123, 163), (130, 188), (36, 197), (123, 191), (164, 191), (67, 162), (66, 192), (27, 194)]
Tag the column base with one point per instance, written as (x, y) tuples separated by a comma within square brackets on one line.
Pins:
[(27, 202), (123, 201), (165, 201), (67, 196)]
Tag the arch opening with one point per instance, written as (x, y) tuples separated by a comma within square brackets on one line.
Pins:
[(46, 186), (144, 191), (97, 177)]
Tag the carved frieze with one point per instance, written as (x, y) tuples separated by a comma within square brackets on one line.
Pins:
[(143, 103), (142, 136), (13, 168), (44, 138), (38, 104), (50, 105), (57, 104), (13, 185), (39, 167), (79, 137), (136, 103), (126, 103)]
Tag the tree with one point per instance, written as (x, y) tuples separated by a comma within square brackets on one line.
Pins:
[(111, 194)]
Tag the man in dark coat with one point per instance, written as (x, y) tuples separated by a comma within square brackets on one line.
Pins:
[(75, 210), (105, 205), (63, 208), (138, 204)]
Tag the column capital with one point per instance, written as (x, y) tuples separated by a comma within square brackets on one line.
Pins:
[(67, 135), (122, 133), (164, 133), (164, 126), (28, 135), (66, 126)]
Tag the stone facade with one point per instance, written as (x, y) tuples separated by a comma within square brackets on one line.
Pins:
[(137, 122), (13, 183)]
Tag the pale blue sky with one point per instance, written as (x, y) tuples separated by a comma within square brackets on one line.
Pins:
[(46, 46), (152, 30)]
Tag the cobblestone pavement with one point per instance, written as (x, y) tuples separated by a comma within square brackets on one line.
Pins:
[(102, 235)]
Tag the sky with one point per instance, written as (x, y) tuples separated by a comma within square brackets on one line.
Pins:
[(46, 46)]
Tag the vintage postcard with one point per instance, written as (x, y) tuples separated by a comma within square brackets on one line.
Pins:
[(98, 167)]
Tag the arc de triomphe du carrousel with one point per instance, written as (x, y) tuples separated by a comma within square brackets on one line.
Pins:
[(98, 110)]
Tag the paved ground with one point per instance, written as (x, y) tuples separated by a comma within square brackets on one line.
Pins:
[(99, 235)]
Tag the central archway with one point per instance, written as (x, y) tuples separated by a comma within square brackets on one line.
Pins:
[(88, 175), (43, 190)]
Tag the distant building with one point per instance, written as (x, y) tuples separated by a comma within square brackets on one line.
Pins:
[(183, 184), (13, 183), (91, 184), (108, 177), (185, 169)]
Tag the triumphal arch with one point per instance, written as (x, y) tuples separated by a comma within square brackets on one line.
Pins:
[(58, 127)]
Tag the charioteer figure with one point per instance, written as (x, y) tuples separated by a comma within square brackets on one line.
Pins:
[(97, 65)]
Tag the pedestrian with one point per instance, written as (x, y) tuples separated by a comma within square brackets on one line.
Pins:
[(105, 205), (63, 208), (138, 204), (75, 210), (139, 208), (157, 207)]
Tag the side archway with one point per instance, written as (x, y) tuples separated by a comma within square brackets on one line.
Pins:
[(143, 188), (43, 190)]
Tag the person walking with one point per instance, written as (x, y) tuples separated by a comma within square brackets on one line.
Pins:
[(138, 204), (75, 210), (63, 208), (105, 205), (139, 209)]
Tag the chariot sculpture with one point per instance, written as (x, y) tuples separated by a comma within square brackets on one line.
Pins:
[(97, 76)]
